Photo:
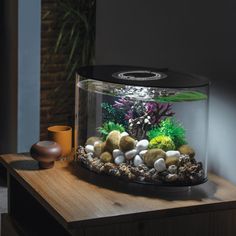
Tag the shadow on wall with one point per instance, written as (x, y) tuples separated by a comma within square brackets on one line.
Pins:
[(222, 127)]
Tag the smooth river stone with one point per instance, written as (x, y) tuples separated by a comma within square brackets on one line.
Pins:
[(112, 141), (173, 153), (127, 143), (187, 150), (142, 153), (119, 159), (130, 154), (89, 148), (142, 145), (138, 160), (160, 165), (152, 155), (97, 142), (172, 161), (117, 152), (92, 140), (124, 134), (98, 148), (106, 157)]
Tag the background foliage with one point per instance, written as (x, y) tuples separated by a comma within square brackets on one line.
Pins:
[(67, 42), (76, 37)]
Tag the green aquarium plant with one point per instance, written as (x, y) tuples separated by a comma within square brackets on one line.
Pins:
[(171, 128), (109, 126), (162, 142), (184, 96), (111, 113)]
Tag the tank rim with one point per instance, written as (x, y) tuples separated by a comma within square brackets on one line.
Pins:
[(159, 77)]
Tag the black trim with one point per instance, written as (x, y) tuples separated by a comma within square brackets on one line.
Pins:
[(172, 78)]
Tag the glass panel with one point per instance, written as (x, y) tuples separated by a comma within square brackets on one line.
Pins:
[(142, 134)]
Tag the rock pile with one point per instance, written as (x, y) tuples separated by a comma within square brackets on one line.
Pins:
[(122, 156)]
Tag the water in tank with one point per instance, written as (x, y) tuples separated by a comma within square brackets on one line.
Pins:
[(142, 125)]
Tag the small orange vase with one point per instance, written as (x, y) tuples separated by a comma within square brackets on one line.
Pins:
[(62, 135)]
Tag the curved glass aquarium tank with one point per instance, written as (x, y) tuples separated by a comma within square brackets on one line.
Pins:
[(142, 125)]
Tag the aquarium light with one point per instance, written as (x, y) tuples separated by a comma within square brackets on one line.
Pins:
[(140, 75)]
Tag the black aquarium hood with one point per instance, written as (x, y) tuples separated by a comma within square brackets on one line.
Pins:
[(143, 76)]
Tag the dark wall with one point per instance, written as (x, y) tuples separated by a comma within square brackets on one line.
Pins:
[(8, 76), (19, 74), (194, 36)]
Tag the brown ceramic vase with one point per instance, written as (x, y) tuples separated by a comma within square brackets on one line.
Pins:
[(62, 135), (46, 152)]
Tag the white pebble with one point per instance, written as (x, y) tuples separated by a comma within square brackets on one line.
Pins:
[(142, 145), (89, 148), (138, 160), (117, 152), (130, 154), (160, 165), (90, 157), (171, 177), (124, 134), (120, 159), (173, 154), (142, 153), (172, 169)]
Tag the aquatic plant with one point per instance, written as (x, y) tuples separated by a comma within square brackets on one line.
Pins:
[(144, 115), (132, 109), (162, 142), (158, 111), (122, 111), (171, 128), (139, 126), (123, 104), (109, 126), (137, 117), (186, 96), (111, 113), (135, 109)]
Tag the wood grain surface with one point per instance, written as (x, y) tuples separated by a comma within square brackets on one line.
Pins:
[(77, 197)]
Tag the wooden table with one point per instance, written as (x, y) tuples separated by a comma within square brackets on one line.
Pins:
[(70, 200)]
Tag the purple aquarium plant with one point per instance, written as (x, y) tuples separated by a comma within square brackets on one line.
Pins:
[(150, 115), (138, 116), (123, 104), (158, 111), (132, 109)]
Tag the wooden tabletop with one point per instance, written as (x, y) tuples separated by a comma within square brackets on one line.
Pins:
[(77, 197)]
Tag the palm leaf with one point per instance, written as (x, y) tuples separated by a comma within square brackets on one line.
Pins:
[(75, 39), (72, 51)]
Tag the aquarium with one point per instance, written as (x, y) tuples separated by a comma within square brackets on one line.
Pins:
[(143, 125)]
